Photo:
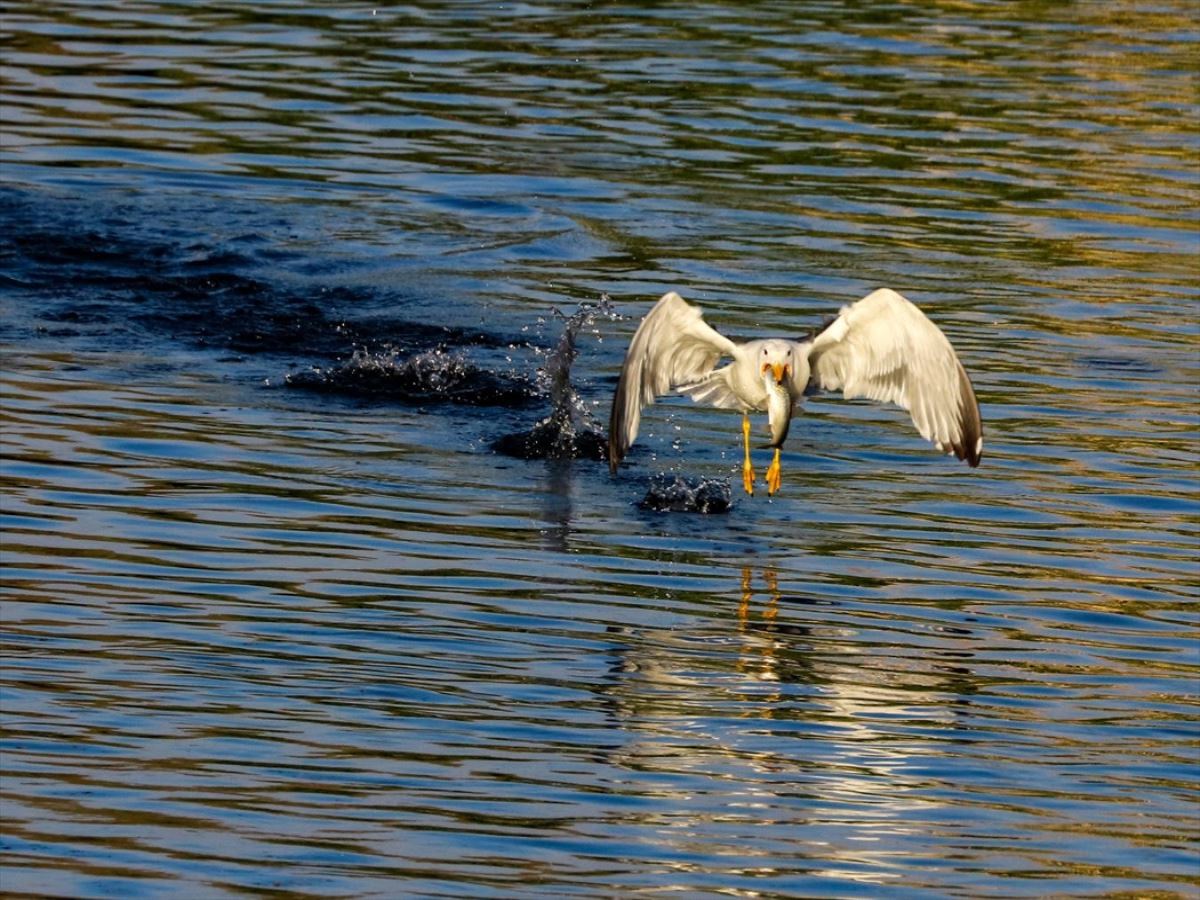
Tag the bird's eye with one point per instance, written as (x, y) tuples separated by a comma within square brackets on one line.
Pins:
[(764, 351)]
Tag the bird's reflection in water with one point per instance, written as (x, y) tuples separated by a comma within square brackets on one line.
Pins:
[(771, 610), (823, 723), (759, 657)]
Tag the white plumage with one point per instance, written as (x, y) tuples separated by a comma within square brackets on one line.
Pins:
[(881, 348)]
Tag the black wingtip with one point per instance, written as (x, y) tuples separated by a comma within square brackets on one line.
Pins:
[(971, 454), (970, 448), (616, 427)]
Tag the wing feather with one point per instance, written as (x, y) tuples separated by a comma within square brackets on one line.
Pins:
[(672, 347), (714, 389), (883, 348)]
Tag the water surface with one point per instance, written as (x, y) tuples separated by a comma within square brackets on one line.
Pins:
[(261, 639)]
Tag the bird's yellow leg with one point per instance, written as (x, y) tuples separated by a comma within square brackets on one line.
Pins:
[(774, 477), (747, 468)]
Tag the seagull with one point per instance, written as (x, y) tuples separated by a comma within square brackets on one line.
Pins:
[(882, 348)]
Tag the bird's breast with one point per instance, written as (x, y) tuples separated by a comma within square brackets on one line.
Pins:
[(747, 383)]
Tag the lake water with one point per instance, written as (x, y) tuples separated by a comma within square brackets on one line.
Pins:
[(266, 640)]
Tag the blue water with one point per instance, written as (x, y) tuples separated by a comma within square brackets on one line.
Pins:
[(279, 617)]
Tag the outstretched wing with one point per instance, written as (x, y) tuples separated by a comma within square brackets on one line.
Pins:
[(884, 348), (672, 347)]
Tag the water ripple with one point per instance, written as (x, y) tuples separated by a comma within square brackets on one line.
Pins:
[(330, 643)]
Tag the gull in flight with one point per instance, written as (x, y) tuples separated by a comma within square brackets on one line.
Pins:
[(882, 348)]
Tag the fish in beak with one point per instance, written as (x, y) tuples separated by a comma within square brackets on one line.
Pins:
[(780, 404), (780, 371)]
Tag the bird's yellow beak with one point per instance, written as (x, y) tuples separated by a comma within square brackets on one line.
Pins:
[(780, 371)]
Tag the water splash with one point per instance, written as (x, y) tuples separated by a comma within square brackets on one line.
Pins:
[(685, 493), (569, 432), (431, 376)]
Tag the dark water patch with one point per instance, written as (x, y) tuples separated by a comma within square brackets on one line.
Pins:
[(208, 259), (71, 262), (687, 493), (82, 249), (548, 440), (431, 376), (124, 266), (236, 312), (241, 313), (68, 251), (83, 314)]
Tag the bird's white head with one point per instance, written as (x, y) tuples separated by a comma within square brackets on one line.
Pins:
[(776, 363)]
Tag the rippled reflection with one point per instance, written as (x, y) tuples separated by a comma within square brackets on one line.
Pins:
[(781, 717), (259, 639)]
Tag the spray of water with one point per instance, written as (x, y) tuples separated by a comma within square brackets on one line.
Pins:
[(569, 432), (431, 376), (672, 492)]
